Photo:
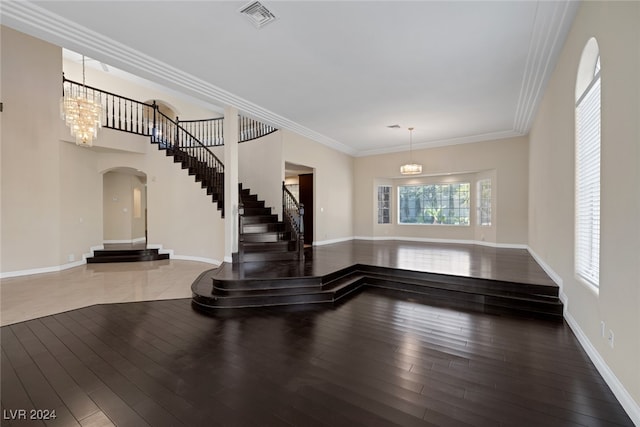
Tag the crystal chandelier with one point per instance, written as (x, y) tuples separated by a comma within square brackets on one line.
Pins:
[(82, 112), (410, 168)]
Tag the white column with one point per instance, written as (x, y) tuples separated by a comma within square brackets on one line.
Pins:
[(230, 182)]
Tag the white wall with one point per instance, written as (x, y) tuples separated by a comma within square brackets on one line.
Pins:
[(551, 192), (505, 161)]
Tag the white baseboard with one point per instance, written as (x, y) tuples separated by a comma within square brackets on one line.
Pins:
[(43, 270), (196, 258), (126, 241), (57, 268), (553, 275), (331, 241), (628, 403)]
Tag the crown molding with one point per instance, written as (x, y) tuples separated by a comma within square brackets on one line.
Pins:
[(443, 143), (34, 20), (550, 27), (544, 47)]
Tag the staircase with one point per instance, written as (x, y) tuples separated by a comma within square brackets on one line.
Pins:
[(262, 236), (189, 142), (211, 178)]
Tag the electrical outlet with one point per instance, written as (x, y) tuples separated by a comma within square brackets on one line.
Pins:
[(602, 329), (610, 338)]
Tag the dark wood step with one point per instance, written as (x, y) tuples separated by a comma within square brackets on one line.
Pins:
[(256, 211), (258, 228), (132, 255), (200, 170), (279, 246), (253, 203), (490, 296), (266, 256), (275, 236), (259, 219)]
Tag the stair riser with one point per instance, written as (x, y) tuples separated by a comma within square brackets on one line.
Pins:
[(240, 302), (282, 246), (461, 283), (240, 285), (470, 299), (262, 228), (265, 237), (105, 259), (256, 211), (130, 252), (268, 256)]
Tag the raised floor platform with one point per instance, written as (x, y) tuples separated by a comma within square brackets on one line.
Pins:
[(480, 278)]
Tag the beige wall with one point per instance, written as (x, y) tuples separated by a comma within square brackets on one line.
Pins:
[(31, 188), (505, 161), (52, 190), (333, 185), (551, 193), (181, 217)]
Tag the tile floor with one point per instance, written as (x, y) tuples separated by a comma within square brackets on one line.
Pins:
[(30, 297)]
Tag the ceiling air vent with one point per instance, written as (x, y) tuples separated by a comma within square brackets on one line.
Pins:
[(394, 126), (257, 14)]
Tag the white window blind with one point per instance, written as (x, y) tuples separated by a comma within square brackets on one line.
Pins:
[(588, 184)]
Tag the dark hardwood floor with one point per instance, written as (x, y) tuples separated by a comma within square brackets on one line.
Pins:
[(464, 260), (374, 360)]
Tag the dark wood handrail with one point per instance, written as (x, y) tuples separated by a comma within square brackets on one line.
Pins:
[(129, 115), (250, 129), (293, 217), (208, 131)]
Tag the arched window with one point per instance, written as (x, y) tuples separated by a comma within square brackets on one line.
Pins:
[(587, 167)]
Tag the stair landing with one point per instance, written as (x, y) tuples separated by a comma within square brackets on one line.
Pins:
[(479, 278)]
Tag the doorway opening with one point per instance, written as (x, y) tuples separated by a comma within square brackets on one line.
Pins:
[(124, 209), (299, 180)]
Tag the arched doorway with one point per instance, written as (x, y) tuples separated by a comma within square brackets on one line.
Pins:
[(125, 207)]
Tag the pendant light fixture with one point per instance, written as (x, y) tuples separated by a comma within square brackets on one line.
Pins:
[(411, 168), (82, 112)]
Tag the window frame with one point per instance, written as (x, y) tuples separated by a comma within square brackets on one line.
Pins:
[(468, 201), (481, 199), (380, 208), (588, 166)]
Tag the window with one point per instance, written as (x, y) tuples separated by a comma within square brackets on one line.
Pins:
[(434, 204), (384, 204), (587, 172), (484, 202)]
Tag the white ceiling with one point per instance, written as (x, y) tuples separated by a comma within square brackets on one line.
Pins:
[(339, 72)]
